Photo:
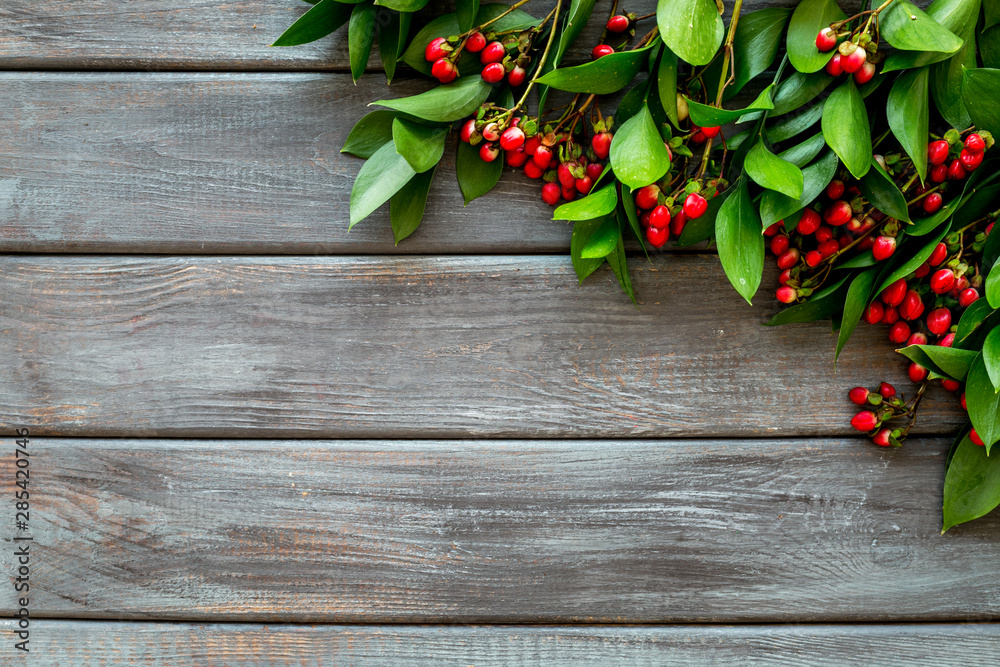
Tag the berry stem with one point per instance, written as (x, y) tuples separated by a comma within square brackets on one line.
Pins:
[(724, 78), (544, 57), (503, 14)]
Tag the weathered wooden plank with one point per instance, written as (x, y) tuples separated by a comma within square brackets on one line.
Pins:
[(85, 643), (416, 347), (221, 163), (500, 531)]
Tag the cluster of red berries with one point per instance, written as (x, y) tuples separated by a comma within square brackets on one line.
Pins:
[(882, 405), (851, 57), (661, 219), (947, 166), (497, 57)]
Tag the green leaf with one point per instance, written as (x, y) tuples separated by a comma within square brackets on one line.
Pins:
[(402, 5), (775, 206), (971, 485), (981, 94), (602, 241), (809, 17), (703, 228), (949, 361), (707, 116), (595, 205), (391, 39), (907, 28), (576, 18), (582, 231), (992, 14), (666, 83), (602, 76), (789, 126), (465, 11), (444, 104), (819, 307), (983, 402), (798, 89), (845, 127), (911, 265), (381, 176), (755, 45), (908, 113), (631, 102), (991, 358), (475, 177), (970, 321), (771, 172), (989, 47), (360, 37), (690, 28), (993, 285), (324, 17), (370, 133), (741, 244), (422, 146), (406, 207), (628, 205), (858, 297), (958, 16), (619, 264), (881, 191), (802, 154), (638, 155)]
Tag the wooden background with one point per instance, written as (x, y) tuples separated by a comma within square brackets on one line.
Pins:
[(264, 440)]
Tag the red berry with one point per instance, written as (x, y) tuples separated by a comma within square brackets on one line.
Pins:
[(970, 161), (976, 440), (932, 202), (894, 293), (532, 144), (783, 277), (488, 152), (695, 206), (937, 152), (917, 339), (789, 259), (865, 74), (858, 395), (644, 219), (475, 43), (951, 385), (942, 281), (512, 138), (874, 312), (912, 306), (865, 420), (517, 158), (493, 73), (838, 213), (491, 132), (922, 270), (899, 332), (917, 372), (938, 255), (886, 390), (710, 132), (828, 248), (442, 69), (677, 224), (543, 158), (600, 51), (647, 196), (882, 438), (809, 222), (660, 217), (492, 53), (974, 143), (939, 173), (601, 143), (967, 297), (854, 60), (835, 190), (961, 401), (833, 66), (883, 248), (550, 194), (891, 315), (961, 284), (584, 184), (566, 177), (947, 341), (824, 234), (779, 244), (657, 236), (786, 294), (956, 171), (813, 258), (698, 138), (569, 194), (618, 24), (435, 49), (516, 76), (771, 230), (826, 39), (532, 170), (939, 321), (594, 170)]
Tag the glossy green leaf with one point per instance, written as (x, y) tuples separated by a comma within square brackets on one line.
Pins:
[(708, 116), (475, 177), (981, 94), (992, 13), (793, 124), (881, 191), (845, 127), (602, 76), (983, 402), (772, 172), (692, 29), (907, 28), (638, 154), (993, 285), (406, 207), (595, 205), (370, 133), (602, 241), (703, 228), (914, 262), (991, 357), (803, 153), (971, 319), (971, 485), (666, 83), (360, 37), (775, 206), (465, 12), (798, 89), (324, 17), (858, 298), (444, 104), (381, 176), (402, 5), (809, 17), (632, 216), (582, 231), (949, 361), (820, 306), (958, 16), (908, 112), (755, 45), (618, 262), (988, 42), (391, 39), (741, 244), (420, 145)]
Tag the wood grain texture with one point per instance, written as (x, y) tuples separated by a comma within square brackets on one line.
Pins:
[(221, 163), (416, 347), (500, 531), (86, 643)]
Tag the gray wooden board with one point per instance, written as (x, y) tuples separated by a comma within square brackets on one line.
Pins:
[(417, 347), (85, 643), (790, 530)]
